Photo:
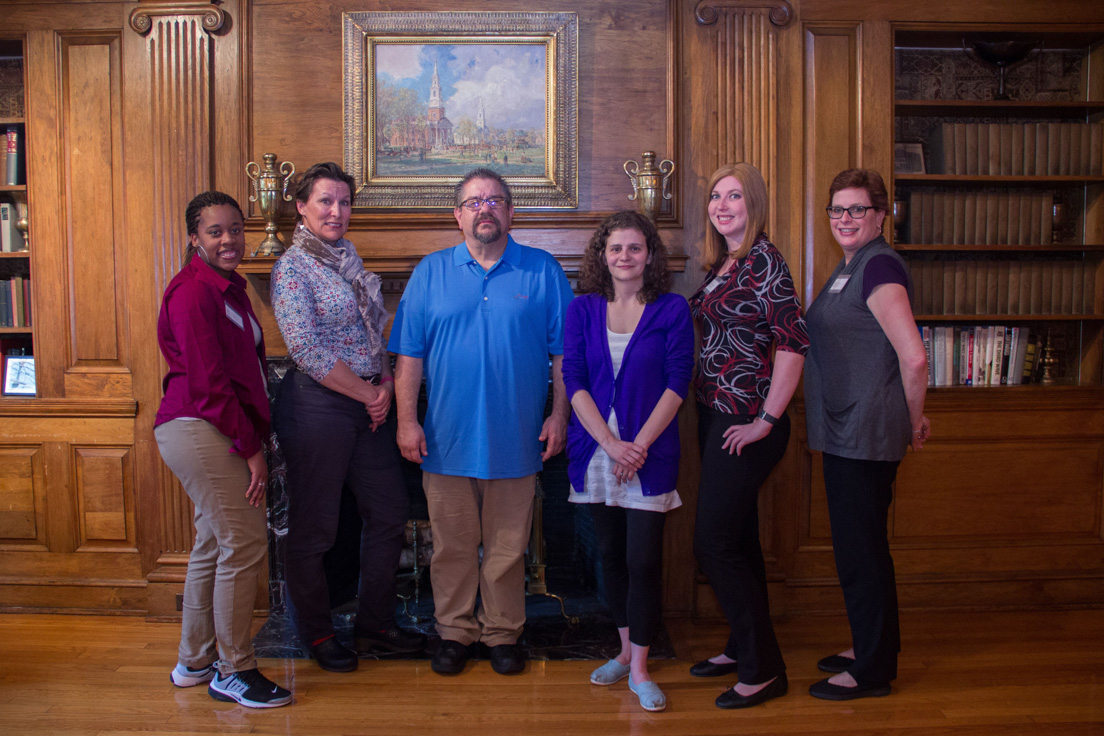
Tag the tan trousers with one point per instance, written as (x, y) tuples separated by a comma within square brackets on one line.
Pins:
[(464, 513), (230, 546)]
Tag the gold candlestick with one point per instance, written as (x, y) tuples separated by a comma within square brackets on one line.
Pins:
[(649, 183), (267, 190)]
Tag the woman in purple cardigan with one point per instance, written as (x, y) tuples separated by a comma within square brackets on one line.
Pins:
[(628, 356)]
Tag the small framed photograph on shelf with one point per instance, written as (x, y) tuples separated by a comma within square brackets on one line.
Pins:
[(908, 158), (19, 375)]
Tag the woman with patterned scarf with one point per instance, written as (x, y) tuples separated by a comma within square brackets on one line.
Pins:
[(333, 419)]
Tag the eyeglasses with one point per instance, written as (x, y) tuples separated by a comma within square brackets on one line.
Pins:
[(857, 211), (473, 204)]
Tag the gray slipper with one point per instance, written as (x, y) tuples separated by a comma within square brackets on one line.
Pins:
[(651, 697), (609, 673)]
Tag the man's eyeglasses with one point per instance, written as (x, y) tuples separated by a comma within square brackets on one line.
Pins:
[(857, 211), (473, 204)]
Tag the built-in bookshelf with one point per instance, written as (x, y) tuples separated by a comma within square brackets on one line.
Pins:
[(16, 302), (1000, 203)]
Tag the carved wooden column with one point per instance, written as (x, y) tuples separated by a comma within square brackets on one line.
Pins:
[(731, 60), (170, 53)]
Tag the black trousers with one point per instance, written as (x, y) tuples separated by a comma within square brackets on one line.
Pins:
[(859, 494), (631, 544), (726, 539), (328, 443)]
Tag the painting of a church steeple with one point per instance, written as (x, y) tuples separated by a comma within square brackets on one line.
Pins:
[(442, 109), (438, 127)]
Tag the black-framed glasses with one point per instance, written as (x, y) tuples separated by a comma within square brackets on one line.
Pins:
[(474, 203), (857, 211)]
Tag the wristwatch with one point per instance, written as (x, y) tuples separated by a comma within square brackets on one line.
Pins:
[(767, 417)]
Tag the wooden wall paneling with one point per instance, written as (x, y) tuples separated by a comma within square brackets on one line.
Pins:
[(91, 152), (992, 489), (22, 497), (104, 485), (832, 135), (625, 82)]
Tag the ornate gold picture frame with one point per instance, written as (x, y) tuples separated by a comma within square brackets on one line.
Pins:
[(429, 96)]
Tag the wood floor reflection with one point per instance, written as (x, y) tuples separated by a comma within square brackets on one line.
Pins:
[(961, 673)]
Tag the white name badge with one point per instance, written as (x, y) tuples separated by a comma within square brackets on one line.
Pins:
[(712, 285), (234, 317), (838, 284)]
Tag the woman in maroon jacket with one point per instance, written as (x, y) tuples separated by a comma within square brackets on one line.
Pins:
[(210, 430)]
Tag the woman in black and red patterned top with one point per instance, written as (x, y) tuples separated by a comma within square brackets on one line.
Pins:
[(746, 308)]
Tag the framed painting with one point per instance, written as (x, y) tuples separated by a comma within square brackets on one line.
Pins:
[(430, 96)]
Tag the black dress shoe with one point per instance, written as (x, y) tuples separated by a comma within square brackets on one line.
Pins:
[(391, 639), (507, 659), (827, 691), (835, 664), (450, 658), (705, 668), (334, 656), (732, 699)]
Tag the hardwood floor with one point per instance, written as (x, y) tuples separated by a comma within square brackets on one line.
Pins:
[(960, 673)]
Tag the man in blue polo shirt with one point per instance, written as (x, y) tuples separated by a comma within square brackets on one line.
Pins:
[(480, 321)]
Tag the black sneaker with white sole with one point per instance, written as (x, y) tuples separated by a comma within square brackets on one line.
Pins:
[(249, 688)]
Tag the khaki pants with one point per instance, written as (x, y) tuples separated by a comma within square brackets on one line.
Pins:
[(230, 546), (464, 513)]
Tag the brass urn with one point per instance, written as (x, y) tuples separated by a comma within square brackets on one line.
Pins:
[(269, 189), (649, 183)]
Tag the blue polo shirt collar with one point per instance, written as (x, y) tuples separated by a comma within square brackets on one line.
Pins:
[(512, 254)]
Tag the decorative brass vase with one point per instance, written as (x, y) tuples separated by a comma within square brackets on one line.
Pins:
[(267, 190), (23, 226), (649, 183)]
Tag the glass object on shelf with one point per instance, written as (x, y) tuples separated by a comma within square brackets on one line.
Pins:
[(1001, 54)]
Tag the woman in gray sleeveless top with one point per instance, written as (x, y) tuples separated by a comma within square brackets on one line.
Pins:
[(865, 379)]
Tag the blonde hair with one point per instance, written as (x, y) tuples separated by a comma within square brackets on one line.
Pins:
[(715, 248)]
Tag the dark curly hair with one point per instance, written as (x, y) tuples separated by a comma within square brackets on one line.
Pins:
[(195, 208), (594, 274), (304, 183)]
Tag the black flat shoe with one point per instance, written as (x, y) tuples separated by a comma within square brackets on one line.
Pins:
[(705, 668), (507, 659), (732, 699), (334, 656), (450, 658), (827, 691), (835, 664), (392, 639)]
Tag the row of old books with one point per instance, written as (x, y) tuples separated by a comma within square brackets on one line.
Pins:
[(15, 302), (981, 218), (977, 355), (1019, 149), (1024, 286)]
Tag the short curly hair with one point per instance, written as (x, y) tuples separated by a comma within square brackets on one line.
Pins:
[(594, 274), (867, 179)]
